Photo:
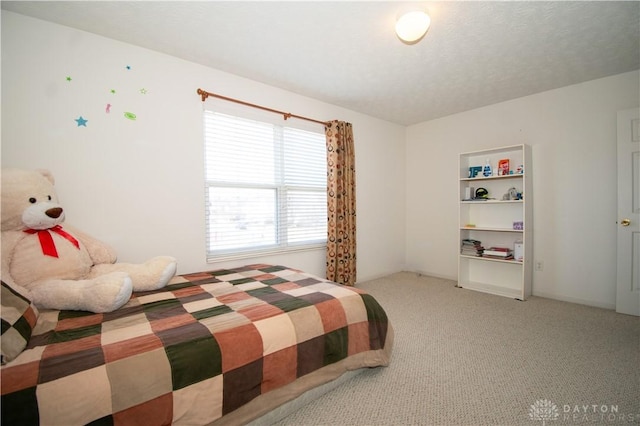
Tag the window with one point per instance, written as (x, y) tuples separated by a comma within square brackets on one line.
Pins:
[(265, 183)]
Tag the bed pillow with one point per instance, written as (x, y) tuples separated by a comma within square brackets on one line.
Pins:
[(19, 316)]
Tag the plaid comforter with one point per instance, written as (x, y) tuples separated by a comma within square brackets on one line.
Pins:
[(192, 352)]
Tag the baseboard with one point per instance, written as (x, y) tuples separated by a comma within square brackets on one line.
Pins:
[(375, 277), (546, 295), (386, 274), (569, 299), (431, 274)]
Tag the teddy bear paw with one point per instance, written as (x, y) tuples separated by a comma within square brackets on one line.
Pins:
[(169, 271), (109, 292), (160, 270)]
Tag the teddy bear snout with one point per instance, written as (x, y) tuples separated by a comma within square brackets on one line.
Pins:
[(43, 215), (54, 213)]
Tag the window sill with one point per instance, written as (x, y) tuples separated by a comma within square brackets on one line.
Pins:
[(263, 253)]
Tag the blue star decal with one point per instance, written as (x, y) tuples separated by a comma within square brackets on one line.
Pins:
[(81, 121)]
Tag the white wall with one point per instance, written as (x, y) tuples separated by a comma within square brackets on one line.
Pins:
[(572, 132), (139, 185)]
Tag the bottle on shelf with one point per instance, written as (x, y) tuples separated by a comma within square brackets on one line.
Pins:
[(486, 171)]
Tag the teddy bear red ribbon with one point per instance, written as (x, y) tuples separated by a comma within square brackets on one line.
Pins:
[(46, 240)]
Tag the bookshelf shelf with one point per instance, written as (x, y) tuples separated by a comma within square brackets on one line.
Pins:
[(490, 259), (478, 228), (494, 289), (481, 178), (492, 202), (494, 223)]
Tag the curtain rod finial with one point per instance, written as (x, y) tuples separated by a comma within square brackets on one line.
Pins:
[(203, 94)]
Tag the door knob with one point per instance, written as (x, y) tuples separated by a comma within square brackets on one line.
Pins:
[(625, 222)]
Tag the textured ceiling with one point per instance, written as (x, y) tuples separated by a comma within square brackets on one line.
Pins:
[(346, 53)]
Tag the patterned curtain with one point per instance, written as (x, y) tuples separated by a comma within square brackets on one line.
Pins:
[(341, 203)]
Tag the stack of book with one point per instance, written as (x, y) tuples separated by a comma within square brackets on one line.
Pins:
[(503, 253), (471, 248)]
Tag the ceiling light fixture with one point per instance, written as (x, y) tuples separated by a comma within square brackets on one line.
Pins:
[(412, 26)]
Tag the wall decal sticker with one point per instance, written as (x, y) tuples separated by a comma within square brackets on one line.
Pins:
[(88, 93)]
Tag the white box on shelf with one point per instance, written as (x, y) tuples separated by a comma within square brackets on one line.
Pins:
[(469, 193), (518, 251)]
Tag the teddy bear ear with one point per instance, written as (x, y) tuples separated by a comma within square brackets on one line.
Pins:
[(47, 174)]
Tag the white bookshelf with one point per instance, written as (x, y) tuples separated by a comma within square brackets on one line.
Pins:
[(492, 222)]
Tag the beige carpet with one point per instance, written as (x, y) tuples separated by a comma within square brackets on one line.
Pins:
[(468, 358)]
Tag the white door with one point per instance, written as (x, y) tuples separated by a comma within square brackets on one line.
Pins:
[(628, 290)]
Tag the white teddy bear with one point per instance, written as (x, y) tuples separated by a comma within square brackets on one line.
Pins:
[(61, 267)]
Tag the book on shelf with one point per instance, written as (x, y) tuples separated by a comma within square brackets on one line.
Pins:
[(475, 253), (488, 256), (501, 249), (469, 241), (498, 252), (471, 247)]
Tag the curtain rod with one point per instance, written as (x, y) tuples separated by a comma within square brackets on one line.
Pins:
[(286, 115)]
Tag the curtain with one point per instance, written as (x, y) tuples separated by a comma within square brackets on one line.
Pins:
[(341, 203)]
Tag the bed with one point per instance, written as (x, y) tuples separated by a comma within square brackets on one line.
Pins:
[(219, 347)]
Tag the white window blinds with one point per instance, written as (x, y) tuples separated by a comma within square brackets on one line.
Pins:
[(265, 182)]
